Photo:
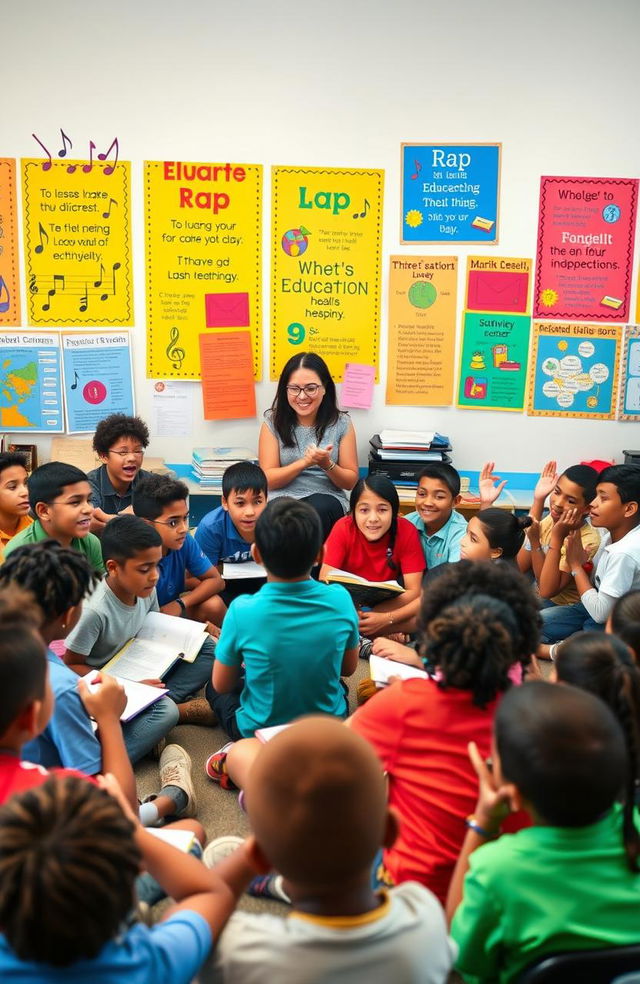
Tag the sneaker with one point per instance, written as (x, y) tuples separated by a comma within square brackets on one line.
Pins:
[(214, 767), (197, 711), (220, 848), (175, 770), (366, 645), (269, 887)]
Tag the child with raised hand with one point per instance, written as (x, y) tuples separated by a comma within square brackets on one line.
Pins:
[(69, 921), (120, 443), (440, 527), (60, 499), (494, 534), (374, 542), (571, 881), (624, 621), (14, 496), (318, 810)]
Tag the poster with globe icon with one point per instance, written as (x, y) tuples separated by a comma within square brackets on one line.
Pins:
[(422, 330), (574, 370)]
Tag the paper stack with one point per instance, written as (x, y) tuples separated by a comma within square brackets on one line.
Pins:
[(401, 455), (209, 464)]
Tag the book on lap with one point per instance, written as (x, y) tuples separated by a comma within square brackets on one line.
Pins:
[(232, 571), (382, 670), (161, 641), (140, 696), (364, 592)]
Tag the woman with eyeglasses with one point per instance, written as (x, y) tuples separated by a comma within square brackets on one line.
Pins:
[(307, 446)]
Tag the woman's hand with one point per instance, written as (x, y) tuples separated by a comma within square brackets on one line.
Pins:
[(319, 456)]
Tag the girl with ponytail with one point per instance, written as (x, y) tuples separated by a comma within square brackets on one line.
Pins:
[(494, 534), (374, 542)]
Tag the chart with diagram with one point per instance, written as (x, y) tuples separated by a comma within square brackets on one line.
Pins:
[(574, 370)]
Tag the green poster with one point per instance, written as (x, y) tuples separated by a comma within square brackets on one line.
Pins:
[(493, 361)]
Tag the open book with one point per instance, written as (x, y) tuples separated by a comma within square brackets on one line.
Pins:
[(382, 670), (364, 592), (139, 695), (160, 643), (242, 569)]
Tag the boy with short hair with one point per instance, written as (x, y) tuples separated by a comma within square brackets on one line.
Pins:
[(441, 528), (570, 882), (296, 637), (189, 584), (114, 613), (317, 806), (60, 498), (120, 443), (14, 496)]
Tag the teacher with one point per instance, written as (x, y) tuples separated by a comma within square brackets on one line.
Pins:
[(307, 446)]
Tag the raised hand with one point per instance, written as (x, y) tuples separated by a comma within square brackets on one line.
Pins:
[(490, 485), (547, 481)]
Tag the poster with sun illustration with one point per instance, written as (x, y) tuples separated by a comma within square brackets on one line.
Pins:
[(574, 370)]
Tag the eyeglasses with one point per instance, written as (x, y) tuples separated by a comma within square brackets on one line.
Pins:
[(309, 390), (135, 453), (173, 524)]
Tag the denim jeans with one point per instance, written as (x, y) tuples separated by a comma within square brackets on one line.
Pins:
[(185, 679), (561, 621), (145, 731)]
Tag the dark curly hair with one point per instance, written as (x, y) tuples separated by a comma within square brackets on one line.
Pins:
[(58, 577), (118, 425)]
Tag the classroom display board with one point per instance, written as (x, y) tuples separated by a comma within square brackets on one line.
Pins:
[(450, 193), (422, 330), (203, 260), (494, 352), (498, 283), (9, 271), (574, 370), (629, 401), (30, 382), (77, 243), (228, 392), (97, 378), (584, 257), (325, 265)]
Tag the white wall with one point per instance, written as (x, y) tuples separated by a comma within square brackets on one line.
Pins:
[(343, 83)]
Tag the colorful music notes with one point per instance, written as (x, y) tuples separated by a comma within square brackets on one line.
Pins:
[(58, 284), (175, 354), (65, 140), (4, 304), (418, 169), (33, 285), (361, 215), (45, 164), (74, 384), (89, 167), (110, 168), (107, 214), (84, 301), (42, 232)]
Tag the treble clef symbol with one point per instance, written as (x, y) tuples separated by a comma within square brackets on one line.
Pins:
[(173, 350)]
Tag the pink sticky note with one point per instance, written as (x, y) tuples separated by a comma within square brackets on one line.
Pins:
[(357, 386)]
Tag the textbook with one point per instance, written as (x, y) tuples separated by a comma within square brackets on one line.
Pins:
[(382, 670), (364, 592), (239, 571), (160, 643), (139, 695)]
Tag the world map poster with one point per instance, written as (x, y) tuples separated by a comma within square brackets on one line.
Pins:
[(30, 382)]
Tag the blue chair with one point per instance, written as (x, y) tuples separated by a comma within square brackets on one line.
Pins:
[(583, 966)]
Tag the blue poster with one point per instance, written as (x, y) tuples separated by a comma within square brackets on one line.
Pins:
[(30, 382), (450, 193), (97, 378)]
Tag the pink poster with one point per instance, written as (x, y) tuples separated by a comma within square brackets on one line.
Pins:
[(585, 248)]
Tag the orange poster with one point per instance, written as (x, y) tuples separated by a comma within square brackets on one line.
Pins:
[(422, 330), (226, 361), (9, 282)]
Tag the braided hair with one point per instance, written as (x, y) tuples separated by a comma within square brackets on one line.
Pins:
[(58, 577), (384, 488), (68, 862)]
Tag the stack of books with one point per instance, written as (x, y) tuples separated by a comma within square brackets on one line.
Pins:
[(401, 455), (209, 464)]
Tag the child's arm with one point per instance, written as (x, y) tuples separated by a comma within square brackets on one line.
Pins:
[(544, 487), (552, 579), (489, 485), (617, 580), (350, 661), (388, 615), (389, 649), (224, 678), (536, 554), (105, 705)]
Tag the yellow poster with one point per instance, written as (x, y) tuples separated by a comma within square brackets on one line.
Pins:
[(325, 267), (422, 330), (77, 242), (203, 224), (9, 282)]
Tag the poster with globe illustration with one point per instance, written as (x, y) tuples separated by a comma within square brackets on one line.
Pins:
[(574, 370), (422, 330)]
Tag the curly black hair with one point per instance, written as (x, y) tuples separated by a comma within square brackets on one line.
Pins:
[(116, 426)]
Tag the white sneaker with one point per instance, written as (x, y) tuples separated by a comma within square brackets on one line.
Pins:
[(220, 848), (175, 770)]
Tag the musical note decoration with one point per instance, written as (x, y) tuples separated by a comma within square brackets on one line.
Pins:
[(361, 215), (74, 384), (418, 166), (42, 232), (4, 304), (86, 168), (175, 353), (107, 214)]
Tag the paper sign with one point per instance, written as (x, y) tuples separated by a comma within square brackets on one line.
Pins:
[(9, 278), (629, 403), (422, 330), (30, 382), (585, 248), (97, 378), (74, 451), (494, 354), (450, 193), (357, 386), (172, 408), (228, 391), (574, 370), (498, 283)]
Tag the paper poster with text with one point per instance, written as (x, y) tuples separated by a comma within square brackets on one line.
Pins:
[(97, 378), (584, 256), (574, 370), (77, 243), (9, 270), (422, 330), (629, 401), (494, 353), (450, 193), (325, 266), (30, 382), (498, 283), (203, 249)]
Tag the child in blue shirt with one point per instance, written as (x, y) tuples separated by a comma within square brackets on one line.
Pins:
[(441, 528)]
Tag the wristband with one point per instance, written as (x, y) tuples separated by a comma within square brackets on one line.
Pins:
[(331, 467), (183, 607), (477, 829)]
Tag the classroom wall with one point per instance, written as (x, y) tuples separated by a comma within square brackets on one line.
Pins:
[(343, 83)]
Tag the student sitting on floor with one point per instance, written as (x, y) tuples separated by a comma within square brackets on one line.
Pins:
[(225, 534), (441, 528), (114, 613), (317, 806), (570, 882), (14, 496), (494, 534), (59, 496), (189, 584), (295, 637), (119, 442)]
